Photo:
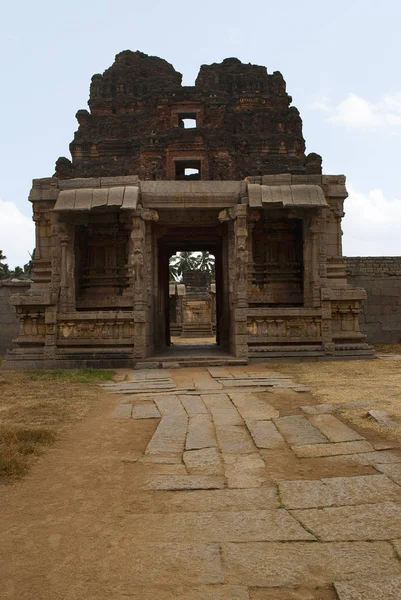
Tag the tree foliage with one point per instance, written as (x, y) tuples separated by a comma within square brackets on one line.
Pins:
[(191, 261), (17, 273)]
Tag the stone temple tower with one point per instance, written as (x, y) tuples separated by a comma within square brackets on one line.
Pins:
[(158, 167)]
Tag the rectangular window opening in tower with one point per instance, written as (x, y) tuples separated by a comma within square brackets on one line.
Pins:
[(188, 170), (187, 120)]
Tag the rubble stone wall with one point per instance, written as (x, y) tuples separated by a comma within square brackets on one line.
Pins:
[(381, 312), (9, 324)]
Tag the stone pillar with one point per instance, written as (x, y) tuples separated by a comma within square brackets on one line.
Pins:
[(141, 272), (67, 283), (241, 257)]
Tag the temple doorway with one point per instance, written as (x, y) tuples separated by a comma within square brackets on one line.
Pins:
[(192, 298), (192, 313)]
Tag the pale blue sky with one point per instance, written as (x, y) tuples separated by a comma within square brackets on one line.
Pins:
[(340, 61)]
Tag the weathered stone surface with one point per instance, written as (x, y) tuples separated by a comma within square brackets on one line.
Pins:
[(392, 470), (360, 589), (170, 405), (376, 458), (238, 526), (145, 411), (333, 429), (265, 434), (382, 417), (122, 411), (193, 404), (196, 564), (337, 491), (276, 564), (185, 482), (217, 400), (244, 471), (251, 407), (226, 416), (169, 437), (201, 433), (233, 439), (297, 431), (146, 365), (316, 450), (367, 521), (203, 462)]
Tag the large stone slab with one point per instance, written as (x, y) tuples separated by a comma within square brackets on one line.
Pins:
[(217, 400), (382, 417), (337, 491), (122, 411), (155, 563), (316, 450), (360, 589), (170, 405), (203, 462), (381, 457), (238, 526), (201, 433), (333, 429), (290, 564), (219, 372), (145, 411), (265, 434), (251, 407), (297, 431), (226, 416), (169, 437), (362, 522), (244, 471), (185, 482), (234, 439), (193, 404), (392, 470)]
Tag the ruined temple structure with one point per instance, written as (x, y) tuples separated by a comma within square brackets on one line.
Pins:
[(158, 168)]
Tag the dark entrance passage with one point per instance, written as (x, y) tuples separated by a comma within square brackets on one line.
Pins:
[(181, 315)]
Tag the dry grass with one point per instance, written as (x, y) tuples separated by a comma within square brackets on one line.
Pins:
[(388, 348), (35, 406), (377, 382)]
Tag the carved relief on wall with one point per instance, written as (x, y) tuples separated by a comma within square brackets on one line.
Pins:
[(101, 252), (96, 329), (345, 318), (32, 325), (276, 273), (291, 328)]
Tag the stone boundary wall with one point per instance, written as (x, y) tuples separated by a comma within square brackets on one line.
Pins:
[(9, 324), (381, 312)]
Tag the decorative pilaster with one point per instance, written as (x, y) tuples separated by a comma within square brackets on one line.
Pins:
[(67, 273), (141, 272)]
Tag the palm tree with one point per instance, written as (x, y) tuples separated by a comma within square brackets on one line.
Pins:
[(182, 261), (206, 263)]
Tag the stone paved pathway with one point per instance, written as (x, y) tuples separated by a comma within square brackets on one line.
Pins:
[(220, 483)]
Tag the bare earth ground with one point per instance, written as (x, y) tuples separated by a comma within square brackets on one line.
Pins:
[(204, 484)]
